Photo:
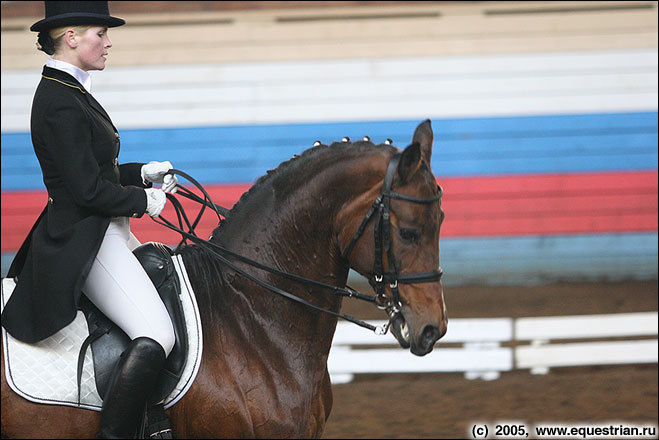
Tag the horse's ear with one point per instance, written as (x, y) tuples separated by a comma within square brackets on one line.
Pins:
[(424, 137), (409, 162)]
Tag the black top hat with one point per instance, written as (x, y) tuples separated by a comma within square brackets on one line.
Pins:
[(64, 13)]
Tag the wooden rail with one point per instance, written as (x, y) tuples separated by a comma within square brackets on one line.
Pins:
[(535, 343)]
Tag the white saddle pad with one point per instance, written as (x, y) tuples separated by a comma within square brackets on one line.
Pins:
[(46, 372)]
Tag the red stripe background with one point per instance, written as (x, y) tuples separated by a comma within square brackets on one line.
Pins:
[(475, 206)]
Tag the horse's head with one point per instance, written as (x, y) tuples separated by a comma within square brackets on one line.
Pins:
[(397, 242)]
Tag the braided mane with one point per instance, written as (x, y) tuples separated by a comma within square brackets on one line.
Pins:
[(309, 160)]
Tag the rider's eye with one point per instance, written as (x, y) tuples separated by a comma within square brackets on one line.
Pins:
[(409, 235)]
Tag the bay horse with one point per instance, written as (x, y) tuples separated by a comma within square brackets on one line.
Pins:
[(264, 366)]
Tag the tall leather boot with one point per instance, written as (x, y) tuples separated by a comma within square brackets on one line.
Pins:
[(132, 382)]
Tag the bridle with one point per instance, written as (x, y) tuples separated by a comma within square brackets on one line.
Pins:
[(382, 237)]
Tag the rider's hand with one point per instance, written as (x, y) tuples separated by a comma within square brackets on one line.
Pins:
[(156, 172), (169, 183), (155, 201)]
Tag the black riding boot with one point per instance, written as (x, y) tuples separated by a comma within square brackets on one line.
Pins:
[(132, 382)]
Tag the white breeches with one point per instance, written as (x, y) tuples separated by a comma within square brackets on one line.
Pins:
[(120, 288)]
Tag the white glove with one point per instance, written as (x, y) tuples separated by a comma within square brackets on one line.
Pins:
[(156, 172), (169, 183), (155, 201)]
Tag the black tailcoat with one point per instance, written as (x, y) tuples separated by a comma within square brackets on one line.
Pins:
[(77, 147)]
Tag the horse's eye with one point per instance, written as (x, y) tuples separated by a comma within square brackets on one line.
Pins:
[(409, 235)]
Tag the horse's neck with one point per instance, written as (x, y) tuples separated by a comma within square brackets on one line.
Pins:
[(291, 229)]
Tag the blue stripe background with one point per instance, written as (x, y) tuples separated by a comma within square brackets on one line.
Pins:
[(463, 146)]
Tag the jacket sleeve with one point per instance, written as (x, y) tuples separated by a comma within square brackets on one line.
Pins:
[(131, 174), (70, 149)]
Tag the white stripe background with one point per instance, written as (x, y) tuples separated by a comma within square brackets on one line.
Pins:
[(453, 86)]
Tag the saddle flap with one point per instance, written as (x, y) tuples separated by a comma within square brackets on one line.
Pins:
[(107, 341), (156, 258)]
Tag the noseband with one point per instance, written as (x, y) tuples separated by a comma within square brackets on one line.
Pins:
[(382, 237)]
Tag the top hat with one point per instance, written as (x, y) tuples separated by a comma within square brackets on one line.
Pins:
[(65, 13)]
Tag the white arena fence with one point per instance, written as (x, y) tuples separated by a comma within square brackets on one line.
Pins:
[(484, 347)]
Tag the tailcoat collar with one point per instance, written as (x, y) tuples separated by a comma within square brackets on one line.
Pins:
[(66, 79)]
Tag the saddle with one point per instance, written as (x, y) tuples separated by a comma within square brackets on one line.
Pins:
[(108, 341), (45, 372)]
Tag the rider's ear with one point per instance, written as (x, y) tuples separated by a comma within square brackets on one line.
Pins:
[(424, 137), (410, 161)]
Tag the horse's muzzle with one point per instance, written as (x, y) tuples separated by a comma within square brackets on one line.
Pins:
[(427, 339), (421, 344)]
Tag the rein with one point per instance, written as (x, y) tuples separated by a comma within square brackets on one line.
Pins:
[(219, 251), (381, 235)]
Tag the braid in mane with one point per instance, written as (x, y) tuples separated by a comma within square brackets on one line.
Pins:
[(343, 147)]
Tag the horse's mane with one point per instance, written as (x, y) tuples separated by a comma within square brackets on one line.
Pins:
[(308, 160)]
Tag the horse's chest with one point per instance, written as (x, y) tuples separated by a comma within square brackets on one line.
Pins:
[(259, 403), (293, 407)]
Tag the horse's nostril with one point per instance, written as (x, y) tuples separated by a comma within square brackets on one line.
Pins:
[(426, 340), (430, 334)]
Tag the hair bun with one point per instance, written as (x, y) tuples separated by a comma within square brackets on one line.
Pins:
[(45, 43)]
